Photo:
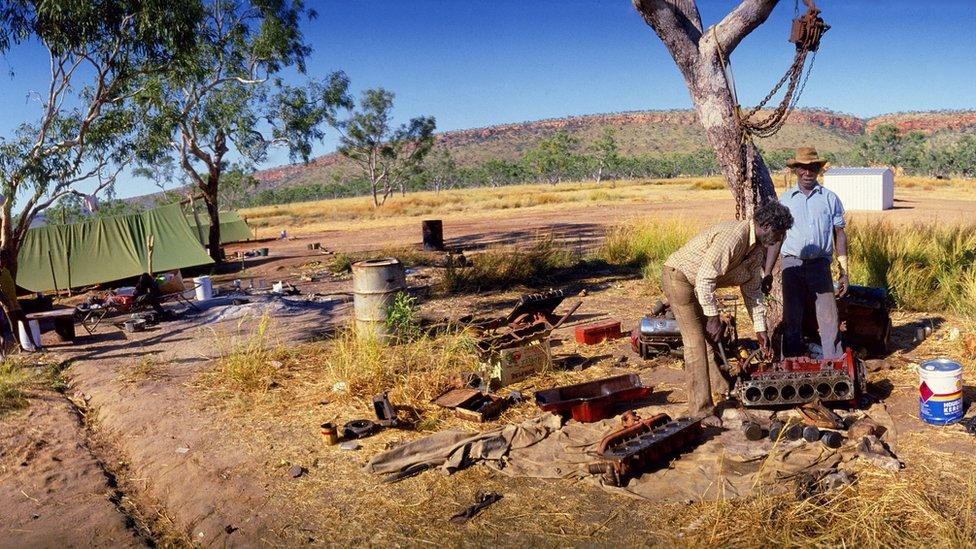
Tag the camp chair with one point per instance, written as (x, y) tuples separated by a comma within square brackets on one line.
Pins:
[(116, 306)]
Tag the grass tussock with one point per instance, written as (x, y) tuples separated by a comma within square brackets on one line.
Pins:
[(14, 384), (880, 510), (414, 371), (925, 267), (248, 365), (645, 245), (507, 266)]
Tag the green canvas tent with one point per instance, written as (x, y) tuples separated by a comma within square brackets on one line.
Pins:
[(232, 227), (107, 249)]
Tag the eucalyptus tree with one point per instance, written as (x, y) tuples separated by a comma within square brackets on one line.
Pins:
[(387, 156), (80, 131), (227, 104)]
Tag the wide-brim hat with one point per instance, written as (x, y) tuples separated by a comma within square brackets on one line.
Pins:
[(806, 156)]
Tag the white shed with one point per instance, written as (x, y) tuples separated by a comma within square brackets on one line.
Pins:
[(862, 188)]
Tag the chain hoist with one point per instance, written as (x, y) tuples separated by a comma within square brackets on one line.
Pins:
[(805, 33)]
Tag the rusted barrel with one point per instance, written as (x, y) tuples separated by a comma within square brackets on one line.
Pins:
[(433, 230), (375, 282)]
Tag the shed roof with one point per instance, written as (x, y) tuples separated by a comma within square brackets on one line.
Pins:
[(845, 170)]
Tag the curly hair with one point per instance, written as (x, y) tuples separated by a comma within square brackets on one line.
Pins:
[(774, 215)]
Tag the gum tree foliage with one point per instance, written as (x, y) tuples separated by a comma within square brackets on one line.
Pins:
[(79, 131), (226, 102), (388, 157), (605, 154), (440, 169), (552, 158)]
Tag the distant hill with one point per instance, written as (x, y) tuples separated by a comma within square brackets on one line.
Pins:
[(641, 133)]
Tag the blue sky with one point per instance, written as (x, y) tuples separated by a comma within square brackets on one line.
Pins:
[(473, 63)]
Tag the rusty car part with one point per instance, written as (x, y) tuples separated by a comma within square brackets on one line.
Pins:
[(799, 380), (472, 404), (864, 316), (593, 400), (831, 439), (631, 451), (358, 428), (629, 419), (386, 414), (811, 433), (752, 430), (657, 334), (815, 413), (481, 500)]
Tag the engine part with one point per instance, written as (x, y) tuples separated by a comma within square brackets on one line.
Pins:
[(657, 334), (481, 500), (811, 433), (651, 442), (799, 380), (864, 314), (358, 428), (386, 414), (593, 400), (788, 431), (597, 332), (752, 430), (533, 307), (831, 439), (815, 413), (472, 404)]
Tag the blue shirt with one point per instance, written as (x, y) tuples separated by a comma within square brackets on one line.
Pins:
[(814, 219)]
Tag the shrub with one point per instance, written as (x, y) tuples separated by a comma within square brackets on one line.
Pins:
[(13, 384), (506, 266)]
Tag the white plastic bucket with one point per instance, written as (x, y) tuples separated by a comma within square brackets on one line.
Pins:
[(204, 288), (940, 391), (35, 328)]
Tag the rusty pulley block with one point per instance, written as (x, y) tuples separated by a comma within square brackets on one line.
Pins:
[(808, 29)]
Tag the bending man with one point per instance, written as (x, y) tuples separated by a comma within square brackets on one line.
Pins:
[(727, 254)]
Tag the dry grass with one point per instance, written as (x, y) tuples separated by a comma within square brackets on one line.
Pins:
[(926, 267), (246, 366), (507, 266), (14, 384), (645, 245), (307, 217), (334, 214)]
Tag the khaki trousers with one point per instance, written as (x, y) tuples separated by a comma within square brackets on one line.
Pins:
[(702, 374)]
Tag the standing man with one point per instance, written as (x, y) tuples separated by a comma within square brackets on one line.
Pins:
[(724, 255), (807, 251)]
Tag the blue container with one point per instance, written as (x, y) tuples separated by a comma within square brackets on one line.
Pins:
[(940, 391)]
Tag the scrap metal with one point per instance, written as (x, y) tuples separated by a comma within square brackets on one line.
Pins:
[(798, 380), (593, 400), (633, 450)]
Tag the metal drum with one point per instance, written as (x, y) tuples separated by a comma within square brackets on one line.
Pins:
[(375, 282)]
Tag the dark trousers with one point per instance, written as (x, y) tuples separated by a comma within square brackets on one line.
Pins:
[(702, 373), (805, 281)]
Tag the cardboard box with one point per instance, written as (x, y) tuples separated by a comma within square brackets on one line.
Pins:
[(507, 366)]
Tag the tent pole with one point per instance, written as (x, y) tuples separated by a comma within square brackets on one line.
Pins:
[(54, 278)]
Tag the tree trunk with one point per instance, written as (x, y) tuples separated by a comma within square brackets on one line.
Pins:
[(700, 55), (599, 175), (213, 211)]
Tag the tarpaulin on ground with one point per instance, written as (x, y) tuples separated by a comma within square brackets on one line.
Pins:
[(107, 249), (723, 465), (232, 227)]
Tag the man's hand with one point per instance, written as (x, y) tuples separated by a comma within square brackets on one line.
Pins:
[(842, 285), (763, 341), (767, 284), (713, 329)]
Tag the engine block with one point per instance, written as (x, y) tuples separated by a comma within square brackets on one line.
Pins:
[(799, 380)]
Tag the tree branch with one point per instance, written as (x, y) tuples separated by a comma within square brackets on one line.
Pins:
[(740, 22), (678, 24)]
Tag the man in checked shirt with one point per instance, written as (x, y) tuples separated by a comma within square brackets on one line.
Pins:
[(731, 253)]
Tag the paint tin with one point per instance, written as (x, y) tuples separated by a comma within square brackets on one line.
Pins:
[(940, 391), (330, 435)]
